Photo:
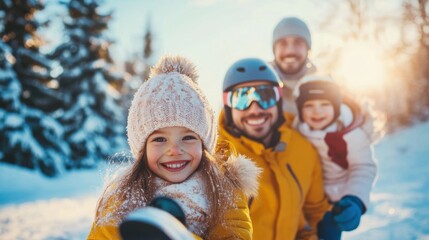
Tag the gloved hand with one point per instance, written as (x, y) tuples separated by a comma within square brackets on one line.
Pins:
[(327, 229), (347, 212)]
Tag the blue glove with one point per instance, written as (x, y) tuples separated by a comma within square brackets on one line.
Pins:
[(347, 212), (327, 229)]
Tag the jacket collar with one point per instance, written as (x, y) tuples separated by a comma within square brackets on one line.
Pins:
[(356, 111)]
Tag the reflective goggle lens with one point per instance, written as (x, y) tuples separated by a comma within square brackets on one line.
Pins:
[(241, 98)]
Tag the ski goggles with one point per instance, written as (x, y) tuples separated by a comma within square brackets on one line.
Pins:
[(241, 98)]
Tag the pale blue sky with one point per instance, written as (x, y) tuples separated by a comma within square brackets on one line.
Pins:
[(216, 33), (213, 34)]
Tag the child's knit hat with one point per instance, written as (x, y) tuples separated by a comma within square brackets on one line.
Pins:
[(170, 97), (317, 87)]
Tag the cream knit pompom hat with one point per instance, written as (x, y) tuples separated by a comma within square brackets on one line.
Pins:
[(170, 97)]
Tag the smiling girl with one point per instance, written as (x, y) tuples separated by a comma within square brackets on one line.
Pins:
[(171, 133)]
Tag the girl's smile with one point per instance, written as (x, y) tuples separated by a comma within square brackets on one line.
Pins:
[(174, 153), (175, 166)]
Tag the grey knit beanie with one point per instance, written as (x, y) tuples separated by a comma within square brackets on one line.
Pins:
[(292, 26), (170, 97)]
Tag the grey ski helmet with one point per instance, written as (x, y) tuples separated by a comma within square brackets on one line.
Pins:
[(248, 70)]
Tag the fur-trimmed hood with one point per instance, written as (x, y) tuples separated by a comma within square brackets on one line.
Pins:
[(244, 173)]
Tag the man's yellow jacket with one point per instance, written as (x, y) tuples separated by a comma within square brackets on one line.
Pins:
[(291, 199)]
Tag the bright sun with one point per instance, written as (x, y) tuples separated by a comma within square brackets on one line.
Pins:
[(361, 67)]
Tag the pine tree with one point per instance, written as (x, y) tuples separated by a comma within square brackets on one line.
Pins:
[(30, 136), (138, 67), (32, 68), (147, 51), (95, 125)]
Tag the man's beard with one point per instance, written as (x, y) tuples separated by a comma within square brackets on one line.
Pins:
[(259, 138), (291, 71)]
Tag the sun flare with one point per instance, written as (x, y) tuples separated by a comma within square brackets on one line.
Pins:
[(361, 67)]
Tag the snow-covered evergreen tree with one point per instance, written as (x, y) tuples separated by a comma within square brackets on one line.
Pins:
[(32, 68), (94, 121), (30, 136)]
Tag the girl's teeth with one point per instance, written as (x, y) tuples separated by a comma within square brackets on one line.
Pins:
[(175, 165)]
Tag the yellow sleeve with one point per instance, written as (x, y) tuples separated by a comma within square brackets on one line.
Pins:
[(108, 230), (103, 232), (237, 222), (197, 237)]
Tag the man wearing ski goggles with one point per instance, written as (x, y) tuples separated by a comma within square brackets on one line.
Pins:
[(266, 96), (290, 193), (253, 109)]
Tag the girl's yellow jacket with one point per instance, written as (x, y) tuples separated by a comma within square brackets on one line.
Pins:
[(291, 199), (237, 219), (237, 223)]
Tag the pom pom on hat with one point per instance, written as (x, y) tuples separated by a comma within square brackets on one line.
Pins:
[(169, 64), (170, 97)]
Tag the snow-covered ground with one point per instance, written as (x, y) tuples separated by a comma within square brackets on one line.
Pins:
[(33, 207), (400, 198)]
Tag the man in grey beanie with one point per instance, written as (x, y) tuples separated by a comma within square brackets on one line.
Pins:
[(291, 45)]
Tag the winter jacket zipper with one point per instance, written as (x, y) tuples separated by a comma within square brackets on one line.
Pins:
[(295, 178)]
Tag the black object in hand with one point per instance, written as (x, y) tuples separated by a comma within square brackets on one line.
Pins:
[(162, 219), (170, 206)]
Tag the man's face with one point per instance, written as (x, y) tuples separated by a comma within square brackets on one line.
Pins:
[(290, 54), (254, 121)]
